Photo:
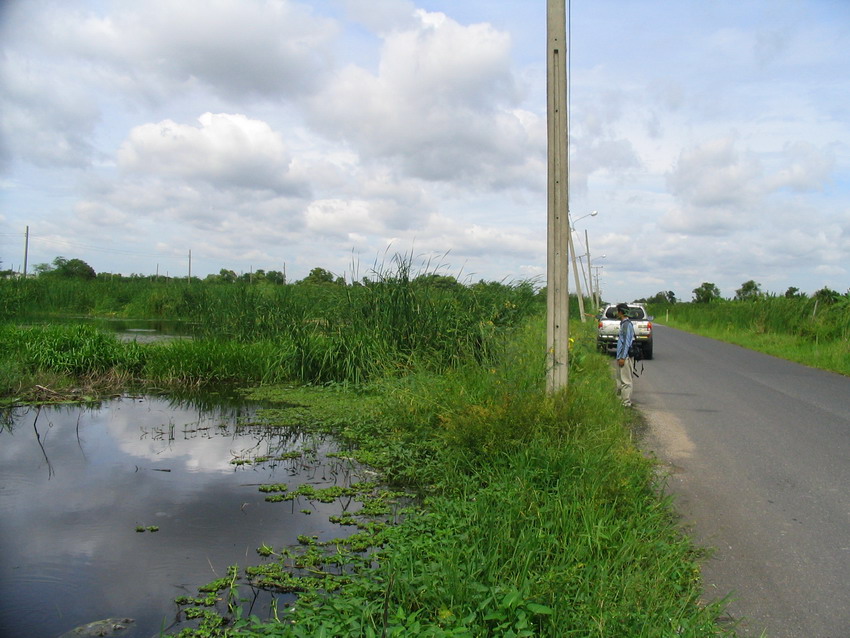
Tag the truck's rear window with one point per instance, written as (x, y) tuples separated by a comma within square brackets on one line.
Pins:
[(635, 313)]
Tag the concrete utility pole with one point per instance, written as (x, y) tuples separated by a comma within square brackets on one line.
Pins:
[(574, 260), (558, 233), (26, 250), (598, 289), (590, 290)]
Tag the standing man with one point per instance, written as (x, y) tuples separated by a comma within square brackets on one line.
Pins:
[(624, 361)]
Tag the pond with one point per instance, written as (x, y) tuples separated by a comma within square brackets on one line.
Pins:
[(141, 330), (77, 482)]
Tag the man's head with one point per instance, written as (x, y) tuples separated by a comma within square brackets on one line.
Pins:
[(623, 309)]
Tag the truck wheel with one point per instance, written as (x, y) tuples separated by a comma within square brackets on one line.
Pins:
[(647, 350)]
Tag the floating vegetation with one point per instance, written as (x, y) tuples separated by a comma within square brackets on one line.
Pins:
[(310, 566), (277, 487)]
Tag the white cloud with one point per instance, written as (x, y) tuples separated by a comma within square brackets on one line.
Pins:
[(47, 120), (381, 16), (441, 104), (715, 174), (233, 46), (340, 218), (302, 131), (481, 241), (804, 167), (229, 150)]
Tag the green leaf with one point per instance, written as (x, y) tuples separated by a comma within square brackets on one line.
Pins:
[(511, 598), (537, 608)]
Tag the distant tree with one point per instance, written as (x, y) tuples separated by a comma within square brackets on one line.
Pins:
[(71, 269), (661, 297), (658, 297), (253, 277), (437, 281), (706, 293), (275, 277), (793, 292), (227, 276), (749, 291), (319, 276), (827, 295)]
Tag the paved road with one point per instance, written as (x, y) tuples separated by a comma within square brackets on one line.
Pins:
[(758, 450)]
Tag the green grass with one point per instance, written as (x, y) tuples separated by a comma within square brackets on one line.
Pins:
[(539, 516), (806, 330), (265, 333)]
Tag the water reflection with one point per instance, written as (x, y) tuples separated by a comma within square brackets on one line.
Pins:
[(76, 482), (141, 330)]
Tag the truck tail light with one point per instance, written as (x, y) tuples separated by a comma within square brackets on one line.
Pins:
[(649, 326)]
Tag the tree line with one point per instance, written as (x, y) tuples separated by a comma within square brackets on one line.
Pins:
[(77, 269), (708, 292)]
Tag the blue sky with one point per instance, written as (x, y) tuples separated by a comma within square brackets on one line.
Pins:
[(712, 137)]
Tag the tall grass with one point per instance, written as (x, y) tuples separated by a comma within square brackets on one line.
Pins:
[(267, 333), (811, 331)]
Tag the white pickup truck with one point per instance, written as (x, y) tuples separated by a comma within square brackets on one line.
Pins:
[(609, 328)]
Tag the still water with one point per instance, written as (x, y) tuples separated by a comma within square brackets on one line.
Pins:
[(76, 482)]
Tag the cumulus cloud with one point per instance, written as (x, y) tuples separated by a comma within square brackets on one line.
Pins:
[(802, 167), (381, 16), (715, 174), (481, 241), (441, 104), (229, 150), (719, 188), (714, 186), (275, 47), (341, 218), (47, 120)]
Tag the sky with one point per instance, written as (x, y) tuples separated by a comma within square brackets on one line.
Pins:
[(711, 137)]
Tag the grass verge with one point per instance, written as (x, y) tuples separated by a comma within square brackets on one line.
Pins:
[(805, 330)]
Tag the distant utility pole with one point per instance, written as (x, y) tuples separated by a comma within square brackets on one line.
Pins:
[(598, 289), (190, 267), (26, 250), (558, 227), (573, 259), (590, 290)]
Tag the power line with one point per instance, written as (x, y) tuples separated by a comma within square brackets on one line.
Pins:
[(101, 249)]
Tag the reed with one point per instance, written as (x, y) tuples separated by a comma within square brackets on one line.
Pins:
[(303, 333)]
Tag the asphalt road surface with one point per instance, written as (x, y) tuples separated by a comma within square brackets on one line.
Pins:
[(758, 457)]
